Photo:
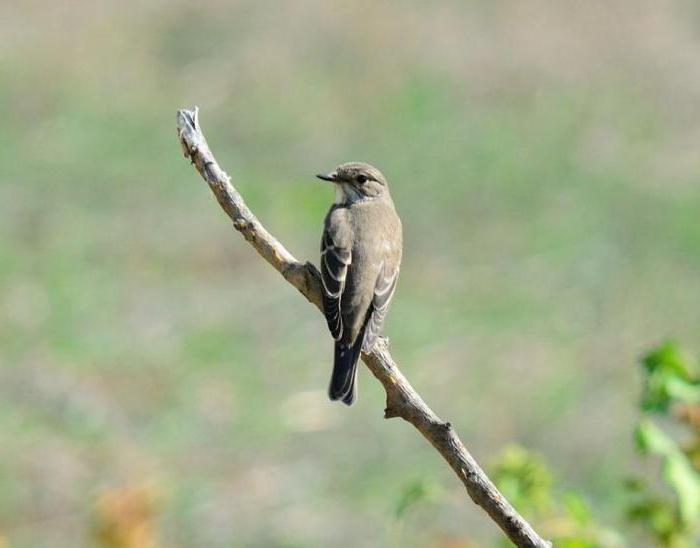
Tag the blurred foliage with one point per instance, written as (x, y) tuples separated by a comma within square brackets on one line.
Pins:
[(414, 493), (126, 517), (566, 519), (525, 480), (670, 378), (414, 496), (669, 429)]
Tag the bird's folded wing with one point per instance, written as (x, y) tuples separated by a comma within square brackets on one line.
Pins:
[(383, 292), (334, 267)]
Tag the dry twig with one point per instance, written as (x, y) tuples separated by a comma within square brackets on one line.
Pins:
[(401, 399)]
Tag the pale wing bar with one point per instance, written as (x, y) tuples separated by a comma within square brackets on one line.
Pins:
[(383, 292), (334, 268)]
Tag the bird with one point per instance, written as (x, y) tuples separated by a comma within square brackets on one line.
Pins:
[(361, 249)]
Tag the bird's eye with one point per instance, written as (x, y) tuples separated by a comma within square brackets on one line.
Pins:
[(361, 179)]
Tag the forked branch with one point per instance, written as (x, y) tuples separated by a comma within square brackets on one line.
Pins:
[(401, 399)]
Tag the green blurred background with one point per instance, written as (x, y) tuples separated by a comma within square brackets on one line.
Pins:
[(544, 159)]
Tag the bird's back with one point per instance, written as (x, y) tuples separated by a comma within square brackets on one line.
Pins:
[(372, 223)]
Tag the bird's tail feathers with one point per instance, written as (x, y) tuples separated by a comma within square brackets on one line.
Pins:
[(343, 385)]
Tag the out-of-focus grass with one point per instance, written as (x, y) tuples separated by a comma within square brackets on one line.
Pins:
[(544, 165)]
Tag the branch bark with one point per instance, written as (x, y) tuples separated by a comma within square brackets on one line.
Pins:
[(401, 399)]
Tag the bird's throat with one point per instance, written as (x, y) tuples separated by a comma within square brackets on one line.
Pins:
[(347, 194)]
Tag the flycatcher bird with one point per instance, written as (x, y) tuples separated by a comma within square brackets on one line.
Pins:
[(360, 259)]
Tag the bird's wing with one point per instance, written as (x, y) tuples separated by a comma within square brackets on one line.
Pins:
[(383, 292), (335, 259)]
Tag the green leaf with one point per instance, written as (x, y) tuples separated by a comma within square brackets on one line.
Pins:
[(678, 472), (683, 391), (651, 439), (670, 375)]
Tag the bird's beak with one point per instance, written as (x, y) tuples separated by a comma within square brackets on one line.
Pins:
[(332, 176)]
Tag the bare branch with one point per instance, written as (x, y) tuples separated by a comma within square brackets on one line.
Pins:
[(402, 400)]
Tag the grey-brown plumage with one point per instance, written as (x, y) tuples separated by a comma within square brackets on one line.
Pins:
[(360, 260)]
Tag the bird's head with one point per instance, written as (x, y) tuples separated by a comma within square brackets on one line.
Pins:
[(357, 181)]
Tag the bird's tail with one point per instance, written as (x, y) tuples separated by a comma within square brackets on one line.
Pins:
[(343, 384)]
